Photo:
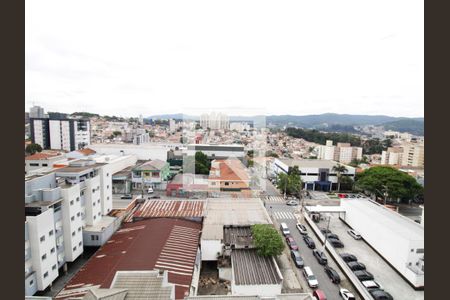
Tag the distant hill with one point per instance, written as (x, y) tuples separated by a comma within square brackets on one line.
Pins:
[(414, 126), (327, 122)]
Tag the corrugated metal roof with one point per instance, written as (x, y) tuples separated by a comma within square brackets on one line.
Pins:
[(163, 243), (168, 208), (251, 269)]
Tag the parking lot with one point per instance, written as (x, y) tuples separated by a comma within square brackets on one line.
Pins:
[(384, 274), (283, 213)]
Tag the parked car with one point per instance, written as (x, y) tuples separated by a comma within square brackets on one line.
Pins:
[(291, 243), (346, 295), (380, 295), (292, 203), (348, 257), (150, 190), (354, 234), (301, 228), (320, 256), (334, 276), (284, 229), (363, 275), (352, 196), (356, 266), (310, 278), (127, 196), (309, 242), (372, 285), (319, 295), (341, 195), (154, 197), (331, 236), (336, 243), (298, 261), (325, 231)]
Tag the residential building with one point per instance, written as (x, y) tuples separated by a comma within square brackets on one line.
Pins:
[(143, 151), (37, 112), (53, 234), (43, 160), (398, 239), (228, 175), (392, 156), (188, 185), (217, 151), (129, 250), (221, 212), (215, 121), (413, 155), (342, 152), (60, 134), (315, 174), (154, 173)]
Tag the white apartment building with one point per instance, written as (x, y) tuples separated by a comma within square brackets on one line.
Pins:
[(392, 156), (215, 121), (60, 134), (342, 152), (42, 160), (216, 151), (69, 205), (37, 112)]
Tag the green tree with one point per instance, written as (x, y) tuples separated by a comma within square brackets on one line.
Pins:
[(267, 240), (202, 163), (116, 133), (289, 184), (389, 183), (339, 169), (33, 148)]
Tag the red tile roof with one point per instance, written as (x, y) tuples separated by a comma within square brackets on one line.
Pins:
[(163, 243), (41, 156), (168, 208), (230, 169), (87, 151)]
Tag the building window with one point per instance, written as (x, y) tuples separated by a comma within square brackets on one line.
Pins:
[(98, 214), (44, 165), (98, 201), (31, 282), (44, 257), (45, 274), (107, 187), (71, 202), (93, 204), (52, 250), (54, 267), (50, 233), (34, 165), (78, 199), (420, 250), (74, 248), (79, 244), (79, 228), (227, 183), (78, 214), (72, 218), (107, 174), (42, 238), (94, 237), (107, 198), (73, 233), (82, 193), (95, 217)]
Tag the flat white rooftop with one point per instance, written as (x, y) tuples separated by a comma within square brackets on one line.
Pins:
[(397, 223)]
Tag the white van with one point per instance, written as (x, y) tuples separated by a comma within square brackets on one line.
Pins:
[(310, 278), (284, 229)]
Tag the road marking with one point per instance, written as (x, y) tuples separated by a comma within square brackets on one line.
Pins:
[(275, 199), (284, 215)]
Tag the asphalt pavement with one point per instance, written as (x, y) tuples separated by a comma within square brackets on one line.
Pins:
[(283, 213)]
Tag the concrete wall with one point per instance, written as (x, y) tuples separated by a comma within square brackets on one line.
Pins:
[(210, 248), (387, 240)]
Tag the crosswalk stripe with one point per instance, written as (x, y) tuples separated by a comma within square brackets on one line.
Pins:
[(284, 215)]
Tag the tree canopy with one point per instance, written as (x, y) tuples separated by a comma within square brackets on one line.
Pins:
[(291, 182), (267, 240), (382, 179), (33, 148), (202, 163)]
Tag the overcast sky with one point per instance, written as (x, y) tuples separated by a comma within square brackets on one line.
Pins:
[(128, 58)]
